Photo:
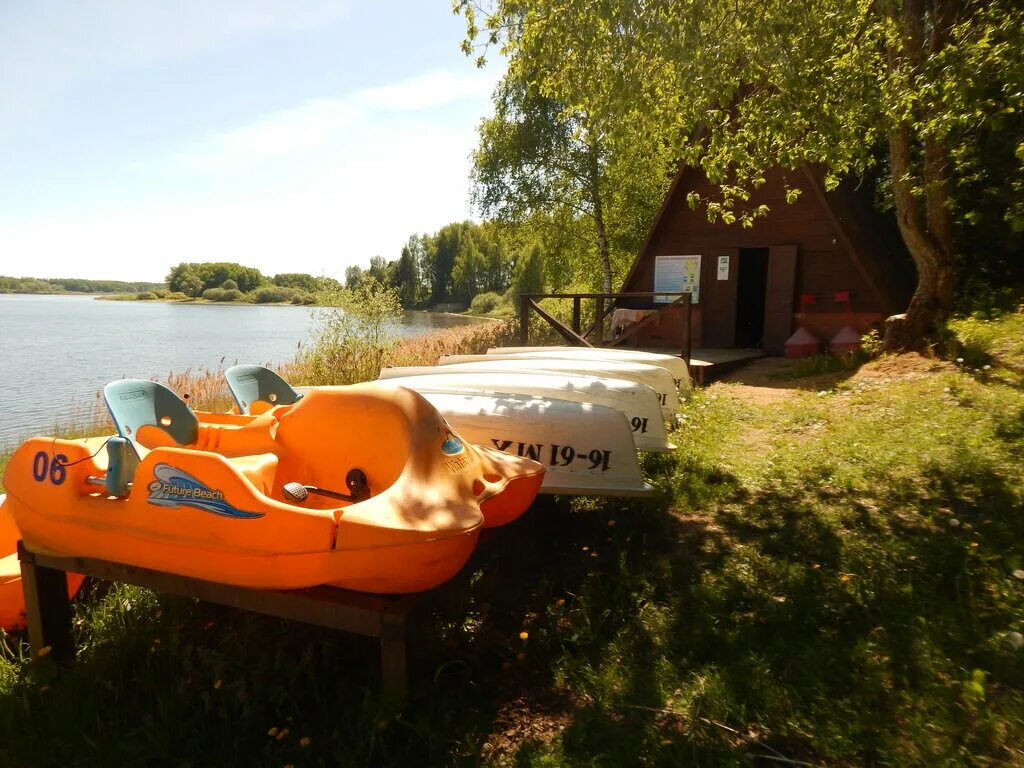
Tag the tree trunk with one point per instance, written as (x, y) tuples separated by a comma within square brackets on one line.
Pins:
[(602, 250), (927, 233), (602, 234)]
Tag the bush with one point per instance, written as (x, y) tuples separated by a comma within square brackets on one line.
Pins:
[(145, 296), (277, 294), (229, 285), (220, 294), (485, 302), (354, 332)]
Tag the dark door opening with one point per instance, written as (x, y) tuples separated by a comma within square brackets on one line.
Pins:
[(752, 283)]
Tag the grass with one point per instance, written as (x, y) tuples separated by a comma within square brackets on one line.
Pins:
[(831, 577)]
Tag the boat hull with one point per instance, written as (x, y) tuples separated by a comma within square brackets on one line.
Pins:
[(656, 378), (225, 517), (637, 402), (12, 595), (676, 366)]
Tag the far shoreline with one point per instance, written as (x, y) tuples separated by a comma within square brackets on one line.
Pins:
[(128, 298)]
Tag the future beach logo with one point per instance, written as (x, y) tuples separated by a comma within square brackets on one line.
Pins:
[(176, 488)]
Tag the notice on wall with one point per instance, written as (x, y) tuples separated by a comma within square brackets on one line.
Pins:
[(723, 267), (677, 275)]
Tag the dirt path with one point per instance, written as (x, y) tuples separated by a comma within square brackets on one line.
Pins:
[(763, 381)]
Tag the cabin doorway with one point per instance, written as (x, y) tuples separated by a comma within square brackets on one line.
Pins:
[(752, 285)]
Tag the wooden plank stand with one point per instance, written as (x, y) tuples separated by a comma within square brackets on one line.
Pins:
[(48, 609)]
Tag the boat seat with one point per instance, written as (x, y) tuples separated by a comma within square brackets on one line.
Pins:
[(136, 403), (257, 389), (260, 469)]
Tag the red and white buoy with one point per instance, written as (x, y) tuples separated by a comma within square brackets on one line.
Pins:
[(846, 342), (803, 343)]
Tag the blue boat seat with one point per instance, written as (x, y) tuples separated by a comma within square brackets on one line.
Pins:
[(136, 403), (252, 384)]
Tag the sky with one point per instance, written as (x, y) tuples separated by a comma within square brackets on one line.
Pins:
[(289, 135)]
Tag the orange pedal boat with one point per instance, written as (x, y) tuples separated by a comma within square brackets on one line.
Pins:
[(360, 488)]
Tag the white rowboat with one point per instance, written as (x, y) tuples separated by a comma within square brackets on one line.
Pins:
[(586, 449), (658, 379), (638, 402), (675, 365)]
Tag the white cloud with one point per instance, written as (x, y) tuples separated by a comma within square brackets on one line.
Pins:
[(433, 89), (315, 123), (404, 177)]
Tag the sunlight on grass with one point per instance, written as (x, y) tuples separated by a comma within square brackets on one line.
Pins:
[(829, 577)]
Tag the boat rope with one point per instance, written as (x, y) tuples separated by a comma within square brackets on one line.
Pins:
[(53, 457)]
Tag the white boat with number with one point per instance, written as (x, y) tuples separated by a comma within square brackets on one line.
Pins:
[(673, 364), (638, 402), (587, 449), (658, 379)]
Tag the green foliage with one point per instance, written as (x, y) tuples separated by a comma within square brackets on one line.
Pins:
[(189, 283), (146, 296), (933, 91), (76, 285), (353, 277), (407, 276), (213, 275), (451, 266), (229, 285), (354, 330), (275, 294), (298, 280), (484, 303), (222, 294), (530, 271), (540, 162)]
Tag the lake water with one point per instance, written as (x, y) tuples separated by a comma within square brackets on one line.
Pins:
[(57, 352)]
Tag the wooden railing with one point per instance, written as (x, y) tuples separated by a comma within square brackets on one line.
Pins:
[(606, 303)]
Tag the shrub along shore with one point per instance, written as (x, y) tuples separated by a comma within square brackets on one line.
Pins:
[(830, 574)]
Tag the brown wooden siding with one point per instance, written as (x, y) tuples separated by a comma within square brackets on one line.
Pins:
[(828, 256)]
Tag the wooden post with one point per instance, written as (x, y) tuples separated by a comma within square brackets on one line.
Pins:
[(47, 608), (687, 350), (393, 672), (599, 322), (49, 612), (524, 320), (576, 314)]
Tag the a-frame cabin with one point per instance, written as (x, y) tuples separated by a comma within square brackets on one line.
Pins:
[(825, 261)]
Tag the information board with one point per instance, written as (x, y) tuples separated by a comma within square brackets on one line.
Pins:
[(677, 275)]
